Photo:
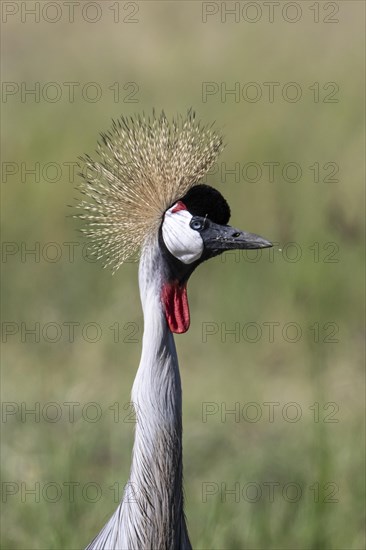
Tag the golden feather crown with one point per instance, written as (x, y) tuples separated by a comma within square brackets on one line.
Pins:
[(144, 166)]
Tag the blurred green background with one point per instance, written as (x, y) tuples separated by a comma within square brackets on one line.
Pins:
[(160, 54)]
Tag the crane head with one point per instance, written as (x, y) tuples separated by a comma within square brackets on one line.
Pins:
[(144, 188), (193, 230)]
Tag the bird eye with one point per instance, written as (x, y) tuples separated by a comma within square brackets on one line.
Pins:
[(196, 224)]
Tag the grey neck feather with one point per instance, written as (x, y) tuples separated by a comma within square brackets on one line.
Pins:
[(150, 515)]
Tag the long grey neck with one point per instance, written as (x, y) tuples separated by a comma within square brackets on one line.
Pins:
[(151, 515), (156, 472)]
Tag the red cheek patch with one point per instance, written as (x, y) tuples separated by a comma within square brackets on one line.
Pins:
[(178, 207), (175, 301)]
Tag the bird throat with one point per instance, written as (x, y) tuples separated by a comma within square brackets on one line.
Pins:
[(175, 300)]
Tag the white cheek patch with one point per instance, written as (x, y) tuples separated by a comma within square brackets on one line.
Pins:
[(181, 240)]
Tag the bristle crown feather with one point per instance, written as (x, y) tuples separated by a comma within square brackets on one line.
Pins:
[(145, 165)]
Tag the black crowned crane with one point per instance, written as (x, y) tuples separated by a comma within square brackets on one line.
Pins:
[(143, 195)]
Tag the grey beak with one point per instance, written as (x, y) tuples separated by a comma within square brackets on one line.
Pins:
[(224, 237)]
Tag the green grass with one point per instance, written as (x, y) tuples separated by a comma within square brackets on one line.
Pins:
[(169, 54)]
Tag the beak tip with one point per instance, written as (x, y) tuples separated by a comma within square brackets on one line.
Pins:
[(266, 244)]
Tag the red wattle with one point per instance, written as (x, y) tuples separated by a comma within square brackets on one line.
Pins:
[(175, 301)]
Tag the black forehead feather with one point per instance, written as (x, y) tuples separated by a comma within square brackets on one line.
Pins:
[(203, 200)]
